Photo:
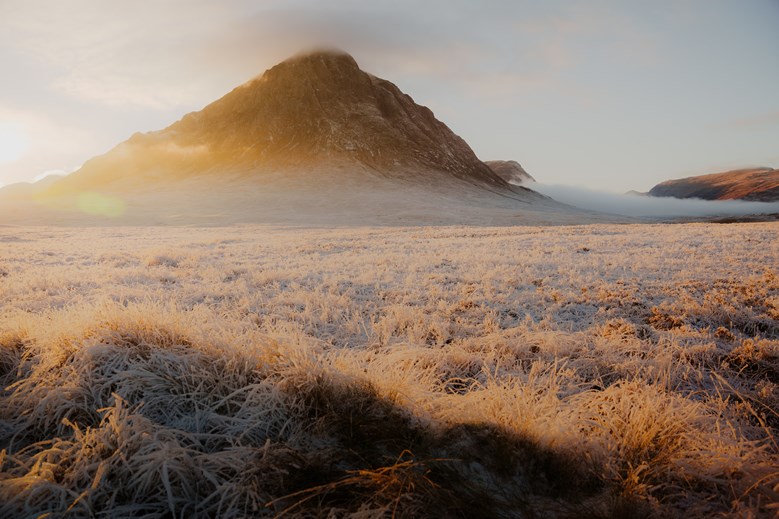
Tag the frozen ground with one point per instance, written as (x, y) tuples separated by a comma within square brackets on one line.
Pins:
[(590, 371)]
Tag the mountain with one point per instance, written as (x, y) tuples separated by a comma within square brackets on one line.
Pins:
[(754, 184), (510, 171), (313, 140), (317, 109)]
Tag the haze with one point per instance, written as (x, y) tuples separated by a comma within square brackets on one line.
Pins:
[(650, 206), (607, 95)]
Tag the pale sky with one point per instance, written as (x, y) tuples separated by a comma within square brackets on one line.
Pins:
[(614, 95)]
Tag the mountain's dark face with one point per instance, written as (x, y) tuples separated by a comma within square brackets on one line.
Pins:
[(311, 110)]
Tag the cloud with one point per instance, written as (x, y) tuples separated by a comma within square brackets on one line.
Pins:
[(184, 52), (651, 207), (140, 53)]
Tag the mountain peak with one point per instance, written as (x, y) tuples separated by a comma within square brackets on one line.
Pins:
[(321, 54), (319, 63)]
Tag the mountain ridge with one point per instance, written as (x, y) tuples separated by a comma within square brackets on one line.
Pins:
[(759, 184)]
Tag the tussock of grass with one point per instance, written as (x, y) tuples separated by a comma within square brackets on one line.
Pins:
[(390, 373)]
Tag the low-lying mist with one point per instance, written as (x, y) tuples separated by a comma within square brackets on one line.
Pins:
[(651, 207)]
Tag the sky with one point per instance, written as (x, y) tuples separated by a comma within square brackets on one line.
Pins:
[(610, 95)]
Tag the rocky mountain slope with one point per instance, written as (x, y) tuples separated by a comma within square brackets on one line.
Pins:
[(313, 110), (754, 184)]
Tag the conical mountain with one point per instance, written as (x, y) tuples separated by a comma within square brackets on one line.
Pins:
[(313, 140), (313, 110)]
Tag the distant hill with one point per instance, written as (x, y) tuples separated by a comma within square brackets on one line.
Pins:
[(510, 171), (754, 184)]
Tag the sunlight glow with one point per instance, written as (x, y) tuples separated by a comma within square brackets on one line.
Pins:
[(13, 142)]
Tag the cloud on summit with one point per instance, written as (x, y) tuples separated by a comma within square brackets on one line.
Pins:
[(180, 52)]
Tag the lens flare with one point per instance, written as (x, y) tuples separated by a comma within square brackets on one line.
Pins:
[(98, 204)]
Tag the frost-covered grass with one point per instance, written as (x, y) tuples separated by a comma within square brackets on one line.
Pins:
[(593, 371)]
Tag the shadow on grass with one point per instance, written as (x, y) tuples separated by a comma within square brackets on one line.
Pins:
[(377, 456)]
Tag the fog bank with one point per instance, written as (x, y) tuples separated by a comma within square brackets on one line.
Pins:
[(651, 207)]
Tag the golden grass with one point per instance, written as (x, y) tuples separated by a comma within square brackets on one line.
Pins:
[(438, 372)]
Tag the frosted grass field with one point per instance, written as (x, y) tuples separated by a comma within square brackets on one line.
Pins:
[(592, 371)]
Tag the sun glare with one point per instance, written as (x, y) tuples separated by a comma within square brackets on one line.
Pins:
[(13, 142)]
